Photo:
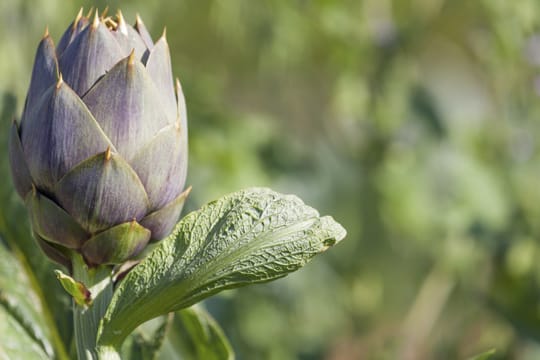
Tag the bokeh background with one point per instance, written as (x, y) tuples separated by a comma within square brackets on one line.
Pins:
[(414, 123)]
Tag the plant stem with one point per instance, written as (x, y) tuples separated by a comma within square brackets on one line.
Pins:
[(87, 318)]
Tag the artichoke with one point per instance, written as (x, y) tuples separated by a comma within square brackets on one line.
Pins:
[(100, 153)]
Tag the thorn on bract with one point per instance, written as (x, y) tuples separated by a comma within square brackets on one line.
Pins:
[(179, 86), (121, 23), (95, 22), (186, 192), (108, 154), (105, 11), (90, 12), (78, 17), (131, 58), (60, 81), (133, 224), (138, 20), (178, 89)]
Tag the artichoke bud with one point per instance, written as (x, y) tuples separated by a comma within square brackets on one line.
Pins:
[(100, 154)]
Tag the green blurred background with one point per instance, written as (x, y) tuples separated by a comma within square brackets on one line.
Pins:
[(413, 123)]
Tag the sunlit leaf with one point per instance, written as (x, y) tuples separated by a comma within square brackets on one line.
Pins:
[(247, 237)]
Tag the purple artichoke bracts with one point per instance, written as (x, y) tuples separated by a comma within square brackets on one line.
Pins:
[(100, 155)]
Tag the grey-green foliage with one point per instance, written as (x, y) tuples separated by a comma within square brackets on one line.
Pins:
[(250, 236)]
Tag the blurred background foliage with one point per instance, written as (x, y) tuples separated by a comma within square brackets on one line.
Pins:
[(412, 122)]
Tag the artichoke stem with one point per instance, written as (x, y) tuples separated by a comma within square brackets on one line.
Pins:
[(87, 318)]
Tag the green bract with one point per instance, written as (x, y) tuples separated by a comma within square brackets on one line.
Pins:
[(100, 154)]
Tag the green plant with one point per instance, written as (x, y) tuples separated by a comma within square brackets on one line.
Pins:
[(100, 158)]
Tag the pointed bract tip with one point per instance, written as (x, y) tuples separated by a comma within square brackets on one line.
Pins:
[(179, 91), (138, 19), (186, 192), (46, 32), (131, 57), (95, 22), (105, 11), (59, 81), (121, 23), (79, 16), (164, 34), (90, 12), (108, 154)]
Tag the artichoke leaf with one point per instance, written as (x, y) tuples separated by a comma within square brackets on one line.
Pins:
[(52, 223), (58, 134), (89, 56), (158, 176), (15, 342), (21, 313), (101, 192), (74, 29), (251, 236), (146, 342), (196, 335), (143, 32), (44, 73), (116, 244), (159, 67), (127, 106), (161, 222)]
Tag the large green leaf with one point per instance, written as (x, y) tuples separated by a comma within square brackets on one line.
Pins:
[(194, 334), (21, 308), (250, 236), (16, 342)]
